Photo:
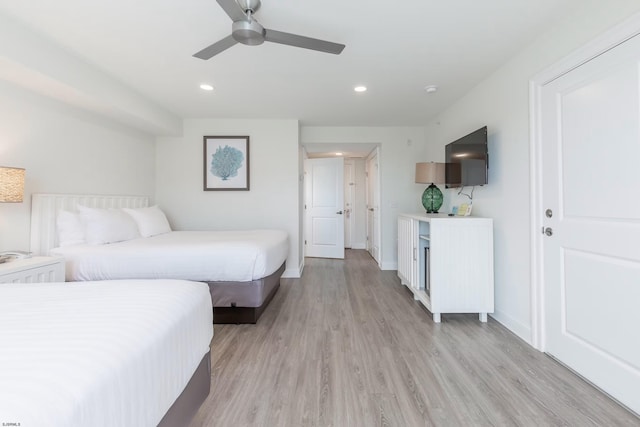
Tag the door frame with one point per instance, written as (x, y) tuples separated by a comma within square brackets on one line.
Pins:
[(349, 164), (377, 230), (601, 44)]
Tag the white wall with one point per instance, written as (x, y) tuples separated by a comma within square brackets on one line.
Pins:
[(66, 150), (401, 148), (502, 103), (273, 199)]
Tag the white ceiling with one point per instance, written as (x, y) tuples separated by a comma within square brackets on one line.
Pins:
[(394, 48)]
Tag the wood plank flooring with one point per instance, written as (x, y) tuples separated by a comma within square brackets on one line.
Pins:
[(346, 345)]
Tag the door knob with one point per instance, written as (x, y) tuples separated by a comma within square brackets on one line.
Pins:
[(339, 212), (548, 231)]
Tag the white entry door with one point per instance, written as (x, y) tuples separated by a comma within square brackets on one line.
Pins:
[(324, 208), (590, 145)]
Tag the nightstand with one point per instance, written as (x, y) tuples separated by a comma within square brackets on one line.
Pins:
[(32, 270)]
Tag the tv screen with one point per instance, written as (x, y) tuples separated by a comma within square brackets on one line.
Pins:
[(467, 160)]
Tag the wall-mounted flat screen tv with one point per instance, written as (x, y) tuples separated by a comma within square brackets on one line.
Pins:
[(467, 160)]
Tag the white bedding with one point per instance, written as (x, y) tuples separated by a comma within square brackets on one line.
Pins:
[(99, 353), (210, 256)]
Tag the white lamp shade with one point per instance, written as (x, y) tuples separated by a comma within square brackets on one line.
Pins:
[(430, 173), (11, 185)]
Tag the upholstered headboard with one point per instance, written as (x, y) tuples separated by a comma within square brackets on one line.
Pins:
[(45, 208)]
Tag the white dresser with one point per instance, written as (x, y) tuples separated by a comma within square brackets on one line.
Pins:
[(32, 270), (447, 262)]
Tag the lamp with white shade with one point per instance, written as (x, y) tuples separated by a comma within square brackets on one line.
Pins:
[(11, 185), (431, 173)]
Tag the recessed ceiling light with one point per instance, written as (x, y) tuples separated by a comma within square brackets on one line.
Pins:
[(360, 88), (205, 86), (431, 88)]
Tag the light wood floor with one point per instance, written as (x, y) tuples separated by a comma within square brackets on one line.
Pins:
[(346, 345)]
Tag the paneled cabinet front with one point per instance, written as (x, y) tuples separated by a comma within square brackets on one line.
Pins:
[(447, 262), (406, 251)]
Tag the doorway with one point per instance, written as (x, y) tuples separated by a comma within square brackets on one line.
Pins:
[(357, 191), (355, 203), (373, 205)]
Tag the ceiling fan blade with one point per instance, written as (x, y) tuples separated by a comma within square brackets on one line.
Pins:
[(233, 9), (216, 48), (302, 41)]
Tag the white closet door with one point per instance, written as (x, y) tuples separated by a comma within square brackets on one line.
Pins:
[(591, 178)]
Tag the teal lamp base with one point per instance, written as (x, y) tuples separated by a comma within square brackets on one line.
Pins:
[(432, 199)]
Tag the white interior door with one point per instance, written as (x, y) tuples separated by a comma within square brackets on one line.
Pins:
[(373, 206), (590, 145), (324, 195), (349, 207)]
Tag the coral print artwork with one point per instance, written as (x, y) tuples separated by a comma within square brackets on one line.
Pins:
[(226, 163)]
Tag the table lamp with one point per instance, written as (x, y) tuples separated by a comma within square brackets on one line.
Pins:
[(431, 173), (11, 185)]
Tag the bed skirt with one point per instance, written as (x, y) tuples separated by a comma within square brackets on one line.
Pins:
[(191, 398), (243, 302)]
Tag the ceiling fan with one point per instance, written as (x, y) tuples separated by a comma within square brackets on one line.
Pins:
[(247, 30)]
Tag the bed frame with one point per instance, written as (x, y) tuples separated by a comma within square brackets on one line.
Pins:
[(233, 302), (243, 302), (194, 394)]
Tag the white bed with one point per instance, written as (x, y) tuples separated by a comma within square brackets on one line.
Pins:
[(210, 256), (99, 353), (242, 268)]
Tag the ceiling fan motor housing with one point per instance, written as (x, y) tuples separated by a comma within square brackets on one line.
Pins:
[(248, 32)]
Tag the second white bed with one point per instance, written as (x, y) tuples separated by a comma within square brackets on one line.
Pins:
[(99, 353), (210, 256)]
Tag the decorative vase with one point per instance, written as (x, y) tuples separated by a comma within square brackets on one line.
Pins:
[(432, 199)]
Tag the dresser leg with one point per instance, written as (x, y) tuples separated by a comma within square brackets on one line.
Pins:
[(483, 317), (436, 317)]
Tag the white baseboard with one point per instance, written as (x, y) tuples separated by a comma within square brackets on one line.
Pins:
[(359, 246), (293, 273), (389, 265), (520, 329)]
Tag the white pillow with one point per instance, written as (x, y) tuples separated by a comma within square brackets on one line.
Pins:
[(107, 225), (151, 221), (69, 227)]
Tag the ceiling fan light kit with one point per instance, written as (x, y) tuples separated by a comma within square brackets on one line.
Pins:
[(247, 30)]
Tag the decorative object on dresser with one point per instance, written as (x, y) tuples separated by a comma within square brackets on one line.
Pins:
[(431, 173), (447, 262), (226, 163), (11, 185)]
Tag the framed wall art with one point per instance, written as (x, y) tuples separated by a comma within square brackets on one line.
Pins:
[(226, 163)]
